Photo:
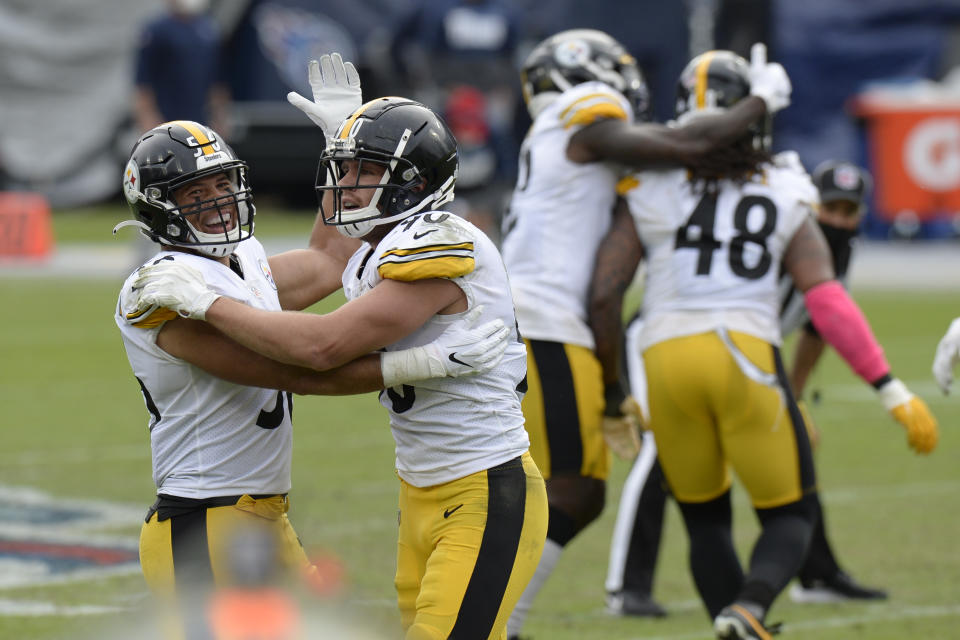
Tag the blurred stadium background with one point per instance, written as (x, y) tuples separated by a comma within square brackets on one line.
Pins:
[(876, 82)]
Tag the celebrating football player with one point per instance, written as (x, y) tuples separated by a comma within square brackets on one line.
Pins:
[(588, 102), (717, 390), (473, 506), (220, 413), (843, 189)]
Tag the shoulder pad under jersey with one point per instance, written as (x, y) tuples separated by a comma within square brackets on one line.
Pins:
[(435, 244)]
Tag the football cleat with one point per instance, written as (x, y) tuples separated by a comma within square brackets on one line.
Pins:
[(840, 587), (736, 623), (634, 603)]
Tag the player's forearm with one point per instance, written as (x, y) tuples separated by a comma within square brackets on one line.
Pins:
[(362, 375), (840, 322), (616, 264), (288, 336), (719, 129)]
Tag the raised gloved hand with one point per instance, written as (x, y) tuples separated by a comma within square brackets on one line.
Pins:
[(336, 92), (768, 80), (622, 420), (911, 412), (176, 286), (947, 357), (463, 349)]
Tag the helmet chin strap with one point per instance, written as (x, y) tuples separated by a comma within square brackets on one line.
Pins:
[(132, 223)]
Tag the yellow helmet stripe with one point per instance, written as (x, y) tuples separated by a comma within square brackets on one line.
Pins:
[(198, 135), (701, 75), (345, 131)]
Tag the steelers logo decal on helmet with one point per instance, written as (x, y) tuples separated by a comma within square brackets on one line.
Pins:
[(573, 53), (131, 182)]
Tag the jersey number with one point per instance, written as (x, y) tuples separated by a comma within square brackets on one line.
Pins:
[(274, 418), (402, 401), (702, 239)]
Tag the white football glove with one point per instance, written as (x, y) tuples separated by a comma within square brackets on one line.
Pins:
[(336, 92), (462, 349), (948, 355), (768, 80), (176, 286)]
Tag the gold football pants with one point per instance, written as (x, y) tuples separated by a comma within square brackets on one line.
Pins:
[(720, 400), (188, 549), (467, 549), (563, 410)]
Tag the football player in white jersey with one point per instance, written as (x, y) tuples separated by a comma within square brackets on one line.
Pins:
[(843, 189), (717, 391), (473, 506), (220, 414), (588, 101), (947, 356)]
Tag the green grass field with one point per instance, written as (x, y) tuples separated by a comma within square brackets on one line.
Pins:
[(75, 427)]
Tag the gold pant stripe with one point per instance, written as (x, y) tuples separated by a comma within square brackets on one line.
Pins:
[(563, 410), (467, 549), (708, 416)]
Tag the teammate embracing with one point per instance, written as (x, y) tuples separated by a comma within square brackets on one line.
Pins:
[(588, 101), (718, 395), (473, 507)]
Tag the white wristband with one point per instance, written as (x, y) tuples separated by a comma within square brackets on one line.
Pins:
[(409, 365), (893, 394)]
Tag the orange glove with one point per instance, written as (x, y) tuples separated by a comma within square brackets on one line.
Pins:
[(913, 413)]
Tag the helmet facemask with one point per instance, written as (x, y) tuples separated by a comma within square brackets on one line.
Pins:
[(179, 221), (398, 193), (238, 226)]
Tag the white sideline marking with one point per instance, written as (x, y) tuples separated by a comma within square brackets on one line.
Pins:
[(34, 608), (877, 613), (74, 455)]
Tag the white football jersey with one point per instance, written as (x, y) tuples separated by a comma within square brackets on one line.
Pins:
[(559, 213), (713, 260), (448, 428), (209, 437)]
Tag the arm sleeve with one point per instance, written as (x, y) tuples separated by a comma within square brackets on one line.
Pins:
[(841, 323)]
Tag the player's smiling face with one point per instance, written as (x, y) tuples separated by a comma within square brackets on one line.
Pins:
[(358, 174), (209, 203)]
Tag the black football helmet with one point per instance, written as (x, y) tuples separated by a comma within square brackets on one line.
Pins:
[(716, 80), (575, 56), (411, 141), (168, 157)]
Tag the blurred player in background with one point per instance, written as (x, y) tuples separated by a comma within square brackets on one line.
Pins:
[(843, 189), (588, 102), (717, 390), (947, 356), (473, 505)]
